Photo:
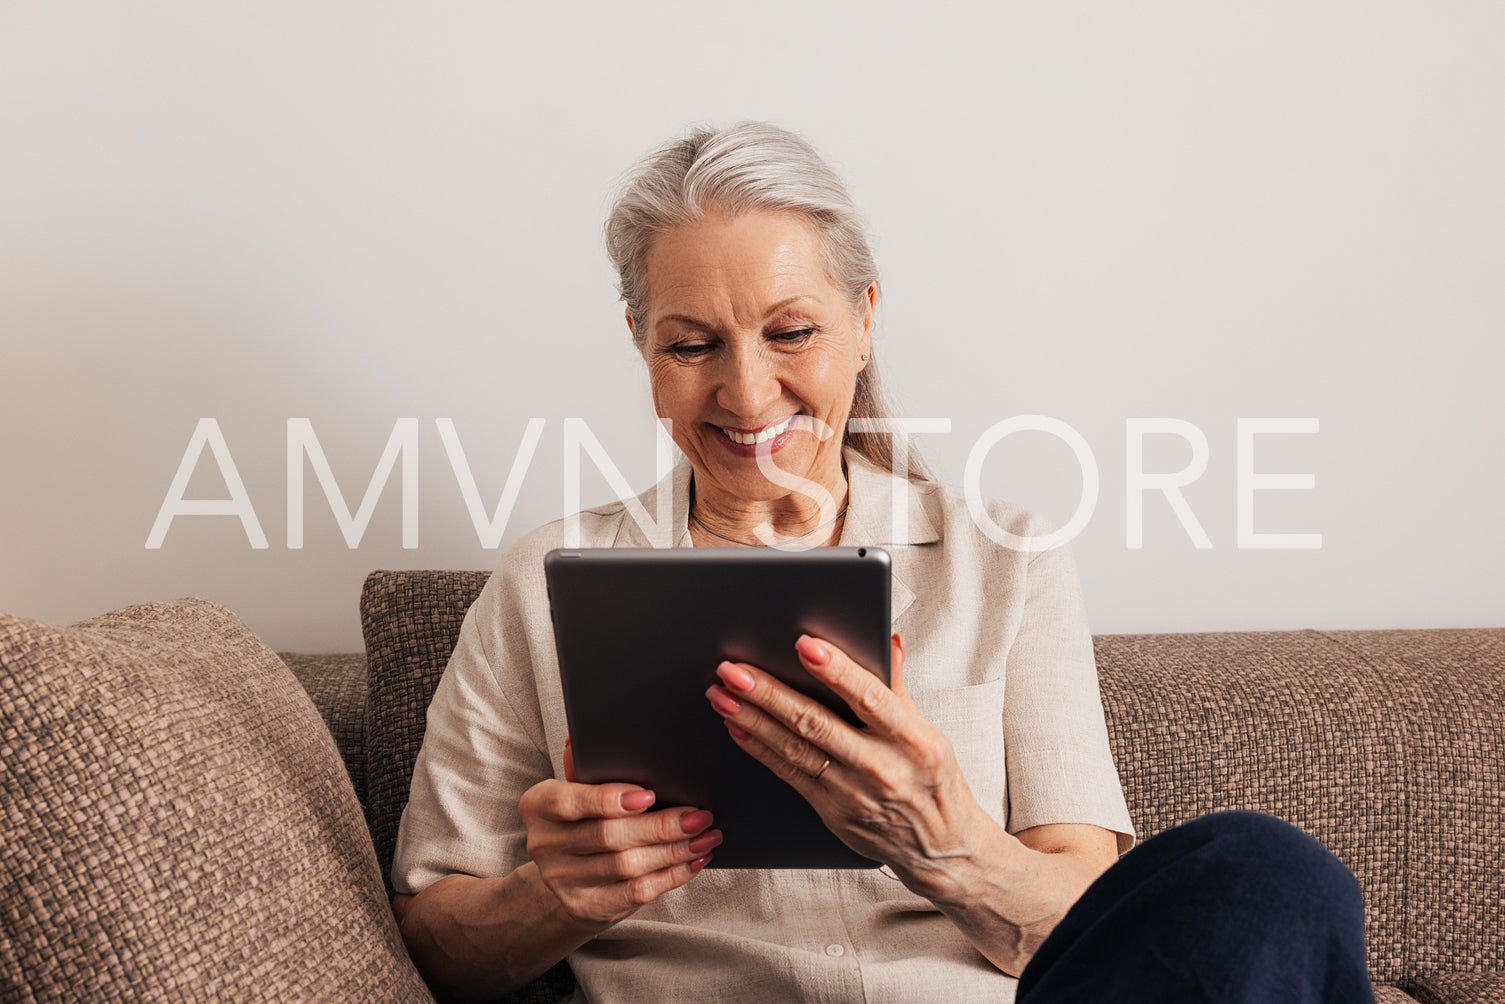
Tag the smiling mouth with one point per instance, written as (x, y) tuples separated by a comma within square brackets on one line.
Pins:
[(762, 436)]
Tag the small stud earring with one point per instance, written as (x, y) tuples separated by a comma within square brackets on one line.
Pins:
[(864, 358)]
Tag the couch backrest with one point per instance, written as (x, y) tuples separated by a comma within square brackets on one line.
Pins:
[(411, 622), (1388, 746)]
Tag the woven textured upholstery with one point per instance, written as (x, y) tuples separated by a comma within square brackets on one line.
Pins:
[(1462, 988), (1447, 689), (178, 825), (1285, 723), (411, 621), (1388, 746), (337, 685)]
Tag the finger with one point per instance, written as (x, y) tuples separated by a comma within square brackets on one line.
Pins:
[(569, 759), (748, 719), (896, 665), (631, 862), (646, 888), (785, 769), (863, 692), (602, 851), (567, 802), (662, 829), (591, 889), (788, 722)]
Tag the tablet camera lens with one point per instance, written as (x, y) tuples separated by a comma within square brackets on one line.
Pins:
[(862, 552)]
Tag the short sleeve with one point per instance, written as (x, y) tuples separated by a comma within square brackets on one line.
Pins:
[(1060, 766)]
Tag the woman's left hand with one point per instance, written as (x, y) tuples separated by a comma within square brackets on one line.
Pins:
[(893, 791)]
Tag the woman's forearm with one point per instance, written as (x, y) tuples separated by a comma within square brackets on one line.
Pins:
[(1006, 896), (476, 939)]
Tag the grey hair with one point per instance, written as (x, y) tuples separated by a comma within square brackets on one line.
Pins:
[(752, 166)]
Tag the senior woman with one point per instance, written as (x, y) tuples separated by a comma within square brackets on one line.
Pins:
[(984, 782)]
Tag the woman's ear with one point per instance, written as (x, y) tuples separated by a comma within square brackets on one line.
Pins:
[(869, 319), (628, 312)]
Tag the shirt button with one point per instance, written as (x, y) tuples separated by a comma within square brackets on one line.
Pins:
[(835, 951)]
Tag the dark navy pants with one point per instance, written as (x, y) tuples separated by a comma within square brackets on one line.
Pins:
[(1233, 908)]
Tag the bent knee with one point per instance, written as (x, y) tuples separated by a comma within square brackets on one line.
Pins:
[(1256, 840)]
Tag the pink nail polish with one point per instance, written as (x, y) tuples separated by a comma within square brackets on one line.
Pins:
[(694, 822), (737, 731), (814, 652), (699, 863), (735, 676), (722, 701), (637, 801), (705, 842)]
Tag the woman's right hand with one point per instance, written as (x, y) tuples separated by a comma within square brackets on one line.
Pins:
[(602, 853)]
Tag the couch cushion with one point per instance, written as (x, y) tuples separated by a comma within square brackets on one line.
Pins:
[(1388, 746), (411, 621), (1462, 988), (1446, 690), (178, 823), (1287, 723), (337, 685)]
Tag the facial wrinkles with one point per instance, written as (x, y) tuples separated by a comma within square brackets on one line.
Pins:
[(732, 295)]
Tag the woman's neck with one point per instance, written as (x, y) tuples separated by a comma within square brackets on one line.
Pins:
[(794, 519)]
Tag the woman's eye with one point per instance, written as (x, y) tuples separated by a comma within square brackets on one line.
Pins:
[(689, 350), (795, 335)]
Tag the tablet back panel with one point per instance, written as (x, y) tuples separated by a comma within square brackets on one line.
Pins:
[(639, 635)]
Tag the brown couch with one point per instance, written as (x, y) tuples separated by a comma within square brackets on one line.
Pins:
[(1389, 746)]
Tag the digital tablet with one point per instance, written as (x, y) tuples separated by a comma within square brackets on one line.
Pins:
[(639, 634)]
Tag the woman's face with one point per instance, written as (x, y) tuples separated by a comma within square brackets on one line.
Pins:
[(748, 340)]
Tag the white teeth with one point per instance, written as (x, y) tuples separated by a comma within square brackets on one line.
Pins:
[(750, 438)]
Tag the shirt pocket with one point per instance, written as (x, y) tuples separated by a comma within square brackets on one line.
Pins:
[(972, 718)]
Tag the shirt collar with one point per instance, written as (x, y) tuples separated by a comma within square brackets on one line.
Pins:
[(881, 509)]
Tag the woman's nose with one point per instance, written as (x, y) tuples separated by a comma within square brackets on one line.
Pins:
[(748, 385)]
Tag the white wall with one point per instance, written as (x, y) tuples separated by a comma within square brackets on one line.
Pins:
[(356, 213)]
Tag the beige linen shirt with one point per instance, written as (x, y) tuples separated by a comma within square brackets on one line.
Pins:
[(998, 655)]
